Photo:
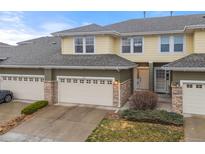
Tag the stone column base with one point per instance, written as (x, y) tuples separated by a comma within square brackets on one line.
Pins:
[(121, 93), (51, 92), (177, 100)]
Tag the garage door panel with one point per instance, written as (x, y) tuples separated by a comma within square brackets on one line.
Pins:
[(24, 87), (85, 91), (194, 98)]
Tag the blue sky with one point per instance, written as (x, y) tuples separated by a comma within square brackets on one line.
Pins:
[(19, 26)]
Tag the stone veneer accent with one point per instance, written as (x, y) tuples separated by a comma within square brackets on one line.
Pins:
[(51, 91), (115, 94), (177, 100), (125, 92)]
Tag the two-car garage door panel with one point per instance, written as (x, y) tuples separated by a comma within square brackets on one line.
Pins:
[(194, 98), (24, 87), (85, 91)]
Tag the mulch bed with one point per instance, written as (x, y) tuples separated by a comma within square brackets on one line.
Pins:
[(5, 127)]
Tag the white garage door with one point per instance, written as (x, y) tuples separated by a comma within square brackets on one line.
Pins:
[(193, 97), (25, 87), (85, 90)]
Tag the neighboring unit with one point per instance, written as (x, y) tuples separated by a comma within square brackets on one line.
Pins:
[(103, 65)]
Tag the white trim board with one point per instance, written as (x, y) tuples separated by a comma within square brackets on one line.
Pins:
[(82, 77), (191, 81)]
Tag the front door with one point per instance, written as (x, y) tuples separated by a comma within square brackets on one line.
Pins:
[(161, 80), (142, 78)]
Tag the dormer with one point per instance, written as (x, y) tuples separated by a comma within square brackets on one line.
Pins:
[(90, 39)]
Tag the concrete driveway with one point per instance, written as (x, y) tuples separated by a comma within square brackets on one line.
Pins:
[(10, 110), (57, 123), (194, 128)]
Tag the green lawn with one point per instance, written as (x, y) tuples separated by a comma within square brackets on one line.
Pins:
[(119, 130)]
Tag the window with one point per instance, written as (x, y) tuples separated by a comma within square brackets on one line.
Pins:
[(84, 44), (198, 86), (137, 45), (189, 85), (178, 43), (78, 45), (126, 45), (165, 44), (132, 45), (89, 41)]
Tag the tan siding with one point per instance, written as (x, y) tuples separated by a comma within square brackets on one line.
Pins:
[(199, 42), (107, 44), (103, 44), (67, 45), (152, 53)]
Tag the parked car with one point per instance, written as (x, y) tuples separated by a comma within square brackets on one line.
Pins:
[(6, 96)]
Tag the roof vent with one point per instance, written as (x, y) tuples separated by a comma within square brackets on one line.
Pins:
[(203, 16), (53, 43)]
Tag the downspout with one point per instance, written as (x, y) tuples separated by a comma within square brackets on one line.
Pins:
[(119, 93), (119, 99)]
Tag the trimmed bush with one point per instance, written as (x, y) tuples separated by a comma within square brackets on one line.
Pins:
[(153, 116), (143, 100), (31, 108)]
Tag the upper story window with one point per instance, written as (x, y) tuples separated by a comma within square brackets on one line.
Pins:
[(178, 43), (78, 45), (174, 43), (126, 45), (165, 47), (132, 45), (84, 44), (137, 45), (89, 43)]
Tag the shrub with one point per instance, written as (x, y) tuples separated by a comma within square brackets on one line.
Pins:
[(143, 100), (31, 108), (154, 116)]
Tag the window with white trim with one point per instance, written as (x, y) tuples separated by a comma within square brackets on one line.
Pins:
[(165, 44), (126, 45), (178, 43), (132, 45), (84, 44), (172, 43), (137, 44), (79, 45)]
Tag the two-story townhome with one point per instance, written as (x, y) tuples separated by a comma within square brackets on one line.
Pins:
[(103, 65)]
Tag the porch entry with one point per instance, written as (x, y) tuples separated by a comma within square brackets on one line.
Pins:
[(141, 78), (161, 80)]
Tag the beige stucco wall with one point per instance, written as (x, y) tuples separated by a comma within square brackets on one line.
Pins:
[(199, 41), (104, 44)]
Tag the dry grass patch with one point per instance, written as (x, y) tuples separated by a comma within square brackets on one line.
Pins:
[(112, 130)]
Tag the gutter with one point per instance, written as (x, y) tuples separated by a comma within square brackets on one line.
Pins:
[(70, 67), (86, 33), (194, 69)]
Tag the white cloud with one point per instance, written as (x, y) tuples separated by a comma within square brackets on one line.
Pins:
[(13, 28), (55, 26)]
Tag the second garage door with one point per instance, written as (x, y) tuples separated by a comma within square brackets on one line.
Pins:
[(85, 90), (193, 97), (25, 87)]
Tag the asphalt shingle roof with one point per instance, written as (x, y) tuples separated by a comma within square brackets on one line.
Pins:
[(46, 52), (191, 61), (146, 25), (4, 45), (88, 28)]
